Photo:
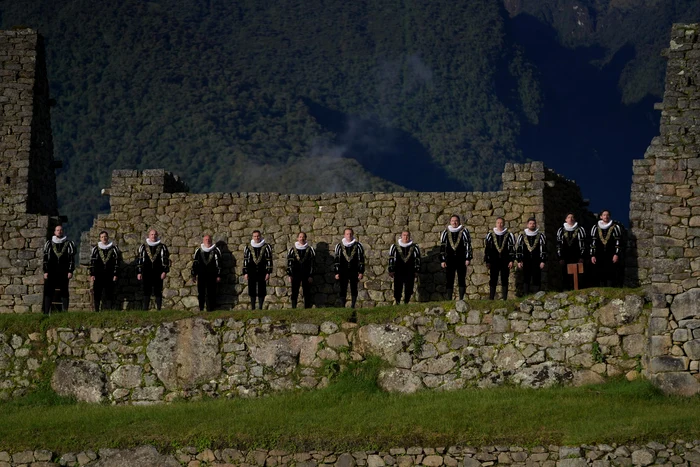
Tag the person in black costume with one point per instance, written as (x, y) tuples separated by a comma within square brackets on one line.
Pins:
[(455, 255), (606, 243), (153, 266), (571, 247), (349, 266), (59, 263), (104, 269), (531, 253), (404, 265), (206, 272), (257, 267), (499, 253), (300, 269)]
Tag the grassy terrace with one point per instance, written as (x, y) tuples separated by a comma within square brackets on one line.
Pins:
[(350, 414)]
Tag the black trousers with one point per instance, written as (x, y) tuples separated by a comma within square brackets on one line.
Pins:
[(351, 278), (103, 292), (206, 292), (152, 285), (297, 281), (496, 269), (56, 281), (532, 274), (461, 269), (257, 287), (403, 282), (607, 273)]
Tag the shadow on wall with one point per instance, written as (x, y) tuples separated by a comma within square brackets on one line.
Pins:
[(389, 153)]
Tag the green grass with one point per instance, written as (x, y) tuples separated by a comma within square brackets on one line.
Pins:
[(353, 414)]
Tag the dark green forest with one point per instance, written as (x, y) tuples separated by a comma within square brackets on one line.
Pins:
[(341, 96)]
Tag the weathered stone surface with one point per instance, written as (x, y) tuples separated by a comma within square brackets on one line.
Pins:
[(185, 353), (643, 457), (145, 456), (437, 366), (385, 341), (509, 358), (634, 345), (679, 384), (127, 376), (544, 375), (580, 335), (399, 380), (279, 354), (81, 379), (692, 349), (686, 305), (585, 377)]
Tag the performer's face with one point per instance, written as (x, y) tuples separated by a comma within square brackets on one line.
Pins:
[(605, 216), (207, 241), (58, 231), (104, 238), (500, 224), (257, 236), (348, 234), (570, 219), (153, 235), (532, 225), (454, 221), (301, 238), (405, 237)]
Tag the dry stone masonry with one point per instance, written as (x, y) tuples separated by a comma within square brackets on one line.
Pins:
[(27, 180), (665, 215), (576, 338), (670, 453), (141, 200)]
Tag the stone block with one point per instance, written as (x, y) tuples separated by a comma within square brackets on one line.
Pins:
[(668, 364)]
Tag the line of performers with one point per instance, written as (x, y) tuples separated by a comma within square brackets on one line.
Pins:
[(501, 253)]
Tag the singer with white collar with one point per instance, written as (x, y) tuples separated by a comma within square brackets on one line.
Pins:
[(531, 253), (571, 247), (455, 255), (58, 263), (404, 266), (257, 267), (349, 266), (206, 272), (499, 254), (300, 269), (153, 265), (606, 238), (104, 269)]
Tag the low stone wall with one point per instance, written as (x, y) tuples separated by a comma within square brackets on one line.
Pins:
[(575, 338), (600, 455), (140, 200)]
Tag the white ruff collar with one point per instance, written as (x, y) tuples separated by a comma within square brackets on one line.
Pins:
[(570, 228), (603, 226), (505, 229), (102, 246), (55, 239), (206, 249), (150, 243), (257, 245), (404, 245), (531, 233), (454, 229), (299, 246), (346, 243)]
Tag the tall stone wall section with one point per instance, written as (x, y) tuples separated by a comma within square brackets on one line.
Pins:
[(566, 338), (27, 182), (665, 211), (155, 198)]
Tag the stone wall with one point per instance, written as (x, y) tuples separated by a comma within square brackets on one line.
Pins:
[(665, 211), (576, 338), (669, 453), (27, 184), (154, 198)]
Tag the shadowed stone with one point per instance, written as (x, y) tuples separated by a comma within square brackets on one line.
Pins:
[(686, 304), (185, 353), (679, 384), (544, 375), (399, 380)]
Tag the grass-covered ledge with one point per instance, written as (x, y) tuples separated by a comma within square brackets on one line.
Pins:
[(353, 414)]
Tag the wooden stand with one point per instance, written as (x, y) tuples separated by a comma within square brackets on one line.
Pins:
[(575, 269)]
